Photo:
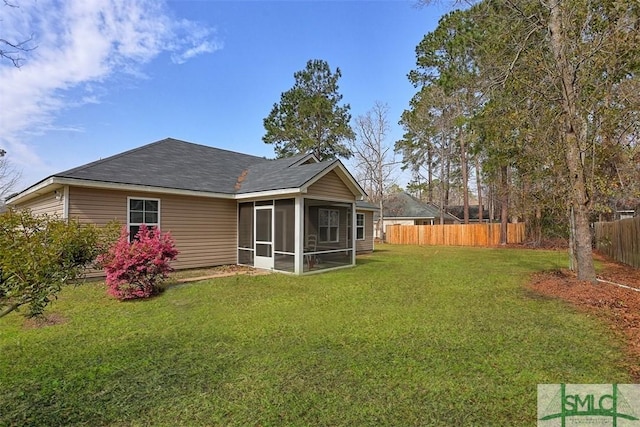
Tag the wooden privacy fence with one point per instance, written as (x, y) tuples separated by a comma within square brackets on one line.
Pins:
[(620, 240), (453, 234)]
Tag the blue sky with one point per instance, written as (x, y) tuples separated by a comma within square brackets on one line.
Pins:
[(112, 75)]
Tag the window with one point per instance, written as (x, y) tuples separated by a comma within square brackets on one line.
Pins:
[(328, 223), (143, 211), (359, 226)]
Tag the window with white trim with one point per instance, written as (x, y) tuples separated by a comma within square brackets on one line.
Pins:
[(328, 225), (143, 211), (359, 226)]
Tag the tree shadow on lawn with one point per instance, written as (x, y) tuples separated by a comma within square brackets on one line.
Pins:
[(365, 259)]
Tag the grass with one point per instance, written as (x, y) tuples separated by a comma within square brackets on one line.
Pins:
[(412, 336)]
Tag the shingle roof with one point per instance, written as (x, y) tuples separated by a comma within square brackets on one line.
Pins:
[(403, 205), (277, 175), (363, 204), (175, 164), (474, 212)]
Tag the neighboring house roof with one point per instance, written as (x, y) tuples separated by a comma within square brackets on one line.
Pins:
[(404, 205), (171, 164), (474, 210), (366, 206)]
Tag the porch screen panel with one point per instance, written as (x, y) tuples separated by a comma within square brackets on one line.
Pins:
[(285, 226), (263, 225), (328, 225), (245, 233), (245, 256), (284, 262), (345, 228), (311, 219), (245, 225), (328, 222)]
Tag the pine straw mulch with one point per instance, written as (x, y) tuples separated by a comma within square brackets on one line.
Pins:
[(199, 274), (620, 307), (49, 319)]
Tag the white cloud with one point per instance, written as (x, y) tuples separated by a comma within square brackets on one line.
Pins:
[(204, 47), (80, 45)]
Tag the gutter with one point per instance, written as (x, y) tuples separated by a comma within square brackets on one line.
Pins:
[(53, 183)]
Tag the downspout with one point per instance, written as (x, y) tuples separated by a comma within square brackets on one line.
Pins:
[(65, 203)]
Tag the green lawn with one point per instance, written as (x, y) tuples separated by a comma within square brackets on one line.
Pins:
[(412, 336)]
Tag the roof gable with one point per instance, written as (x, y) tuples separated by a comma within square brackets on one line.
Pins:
[(281, 174), (278, 175)]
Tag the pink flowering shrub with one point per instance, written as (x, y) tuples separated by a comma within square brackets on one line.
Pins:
[(137, 269)]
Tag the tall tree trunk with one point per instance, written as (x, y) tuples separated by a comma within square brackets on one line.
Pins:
[(491, 201), (479, 188), (380, 224), (571, 139), (447, 177), (579, 201), (465, 178), (447, 192), (538, 226), (445, 170), (430, 174), (504, 204)]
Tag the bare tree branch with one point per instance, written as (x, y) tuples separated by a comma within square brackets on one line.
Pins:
[(9, 176), (11, 50), (375, 162)]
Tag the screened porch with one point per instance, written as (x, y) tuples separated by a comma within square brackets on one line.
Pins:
[(296, 235)]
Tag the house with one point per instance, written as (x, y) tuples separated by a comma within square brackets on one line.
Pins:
[(404, 209), (293, 215), (474, 212)]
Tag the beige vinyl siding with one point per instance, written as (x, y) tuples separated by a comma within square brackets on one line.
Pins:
[(330, 187), (204, 229), (366, 245), (45, 205), (97, 206)]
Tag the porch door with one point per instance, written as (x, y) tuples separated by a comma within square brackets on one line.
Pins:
[(263, 224)]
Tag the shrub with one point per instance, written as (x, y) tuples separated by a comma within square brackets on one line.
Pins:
[(38, 255), (137, 269)]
